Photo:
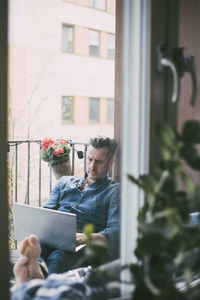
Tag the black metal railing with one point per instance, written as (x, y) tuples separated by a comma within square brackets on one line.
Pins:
[(23, 160)]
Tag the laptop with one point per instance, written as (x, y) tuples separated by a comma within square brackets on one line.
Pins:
[(55, 228)]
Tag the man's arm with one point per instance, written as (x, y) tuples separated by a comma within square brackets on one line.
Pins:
[(112, 230), (110, 234), (52, 202)]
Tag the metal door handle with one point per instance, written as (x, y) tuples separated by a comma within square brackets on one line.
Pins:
[(168, 63), (186, 64)]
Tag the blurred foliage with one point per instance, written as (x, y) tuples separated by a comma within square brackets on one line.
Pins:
[(95, 251), (166, 242)]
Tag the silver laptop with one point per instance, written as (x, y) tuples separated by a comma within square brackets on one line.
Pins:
[(55, 228)]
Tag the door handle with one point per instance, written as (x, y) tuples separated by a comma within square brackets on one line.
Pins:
[(168, 63), (162, 61), (186, 64), (178, 67)]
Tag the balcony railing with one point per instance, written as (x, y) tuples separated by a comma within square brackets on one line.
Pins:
[(28, 173)]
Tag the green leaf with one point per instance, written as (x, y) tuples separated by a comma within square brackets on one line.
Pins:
[(188, 183), (190, 154), (133, 179), (191, 132), (166, 135), (151, 243), (149, 183), (44, 155), (145, 182), (88, 230)]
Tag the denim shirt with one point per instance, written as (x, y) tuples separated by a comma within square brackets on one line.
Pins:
[(97, 204)]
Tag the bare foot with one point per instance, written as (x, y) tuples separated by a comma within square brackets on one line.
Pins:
[(27, 267), (21, 271)]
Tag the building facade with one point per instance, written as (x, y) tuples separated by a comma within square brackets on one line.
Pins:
[(61, 68)]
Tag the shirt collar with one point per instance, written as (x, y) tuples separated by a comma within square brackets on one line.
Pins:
[(99, 181)]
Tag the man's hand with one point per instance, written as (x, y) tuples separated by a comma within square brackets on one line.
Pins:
[(80, 238)]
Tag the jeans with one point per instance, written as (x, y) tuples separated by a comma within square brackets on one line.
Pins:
[(59, 261)]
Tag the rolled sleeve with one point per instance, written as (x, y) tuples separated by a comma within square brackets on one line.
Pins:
[(53, 201)]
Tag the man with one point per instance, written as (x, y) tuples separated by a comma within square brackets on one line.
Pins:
[(94, 198), (83, 283)]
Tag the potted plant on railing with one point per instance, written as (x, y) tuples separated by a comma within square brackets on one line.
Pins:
[(56, 153)]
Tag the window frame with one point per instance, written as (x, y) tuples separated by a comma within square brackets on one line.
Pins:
[(72, 42), (94, 5), (64, 121), (92, 54), (90, 120), (109, 121), (110, 57)]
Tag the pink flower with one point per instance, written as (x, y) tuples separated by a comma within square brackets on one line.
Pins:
[(47, 143), (58, 152), (63, 142)]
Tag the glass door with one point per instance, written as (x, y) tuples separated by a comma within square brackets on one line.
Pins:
[(148, 96)]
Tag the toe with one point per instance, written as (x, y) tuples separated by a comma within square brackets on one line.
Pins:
[(25, 244), (33, 240)]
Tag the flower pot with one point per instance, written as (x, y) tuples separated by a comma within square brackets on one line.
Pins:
[(62, 169)]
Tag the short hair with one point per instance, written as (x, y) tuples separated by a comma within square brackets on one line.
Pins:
[(101, 141)]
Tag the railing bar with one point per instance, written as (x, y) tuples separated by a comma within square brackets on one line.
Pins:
[(28, 173), (76, 143), (39, 141), (17, 143), (85, 151), (16, 171), (39, 191), (73, 153), (16, 160), (50, 184)]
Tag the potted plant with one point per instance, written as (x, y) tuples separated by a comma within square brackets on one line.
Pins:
[(168, 245), (56, 153)]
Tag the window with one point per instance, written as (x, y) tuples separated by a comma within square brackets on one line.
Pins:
[(67, 38), (110, 110), (111, 45), (94, 109), (99, 4), (94, 42), (67, 106)]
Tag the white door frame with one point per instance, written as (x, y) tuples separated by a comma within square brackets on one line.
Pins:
[(135, 116)]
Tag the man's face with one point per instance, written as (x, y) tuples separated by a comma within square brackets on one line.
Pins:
[(98, 162)]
